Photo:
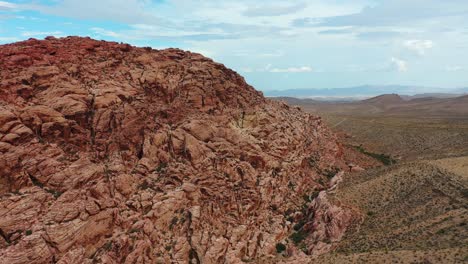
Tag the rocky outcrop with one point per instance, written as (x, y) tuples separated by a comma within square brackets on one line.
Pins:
[(116, 154)]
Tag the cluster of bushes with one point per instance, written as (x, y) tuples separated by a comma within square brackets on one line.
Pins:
[(298, 236), (385, 159)]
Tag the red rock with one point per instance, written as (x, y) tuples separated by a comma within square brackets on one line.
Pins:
[(116, 154)]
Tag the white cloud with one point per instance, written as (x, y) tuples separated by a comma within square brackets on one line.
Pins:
[(41, 33), (267, 68), (247, 70), (292, 69), (8, 39), (104, 32), (453, 68), (6, 5), (255, 53), (274, 10), (127, 11), (247, 35), (400, 12), (204, 52), (399, 64), (270, 68), (418, 46)]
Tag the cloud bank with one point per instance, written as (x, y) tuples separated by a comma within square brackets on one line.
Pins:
[(348, 43)]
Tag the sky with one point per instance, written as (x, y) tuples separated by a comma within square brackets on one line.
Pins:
[(275, 45)]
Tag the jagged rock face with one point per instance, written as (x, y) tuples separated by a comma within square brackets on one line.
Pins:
[(116, 154)]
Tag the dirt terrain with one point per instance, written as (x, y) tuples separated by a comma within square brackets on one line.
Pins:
[(404, 138), (415, 208), (408, 209)]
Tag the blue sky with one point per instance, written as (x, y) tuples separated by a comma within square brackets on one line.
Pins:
[(275, 44)]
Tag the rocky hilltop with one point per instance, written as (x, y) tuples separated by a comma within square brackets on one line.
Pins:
[(116, 154)]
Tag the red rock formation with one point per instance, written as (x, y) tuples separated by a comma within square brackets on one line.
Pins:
[(120, 154)]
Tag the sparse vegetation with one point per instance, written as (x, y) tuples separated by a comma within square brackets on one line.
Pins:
[(55, 193), (331, 172), (107, 246), (173, 222), (144, 185), (298, 237), (161, 167)]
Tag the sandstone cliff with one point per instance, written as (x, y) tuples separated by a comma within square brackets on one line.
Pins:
[(116, 154)]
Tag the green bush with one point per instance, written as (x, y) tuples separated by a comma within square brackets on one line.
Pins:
[(297, 237), (280, 247), (385, 159), (299, 225)]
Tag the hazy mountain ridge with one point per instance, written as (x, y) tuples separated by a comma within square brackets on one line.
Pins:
[(366, 91), (390, 104)]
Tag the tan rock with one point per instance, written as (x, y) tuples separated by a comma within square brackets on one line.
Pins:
[(116, 154)]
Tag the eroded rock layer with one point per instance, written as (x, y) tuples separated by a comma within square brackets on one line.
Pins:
[(116, 154)]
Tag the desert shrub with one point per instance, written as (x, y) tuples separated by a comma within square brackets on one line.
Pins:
[(385, 159), (144, 185), (107, 246), (134, 230), (297, 237), (280, 247), (465, 193), (173, 222), (161, 167), (331, 172), (55, 193), (312, 161), (299, 225)]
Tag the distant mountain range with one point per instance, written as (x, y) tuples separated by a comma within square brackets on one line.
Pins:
[(366, 91), (389, 105)]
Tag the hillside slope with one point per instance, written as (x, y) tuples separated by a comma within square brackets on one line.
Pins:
[(414, 213), (116, 154)]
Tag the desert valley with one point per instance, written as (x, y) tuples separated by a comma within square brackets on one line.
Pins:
[(415, 203)]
